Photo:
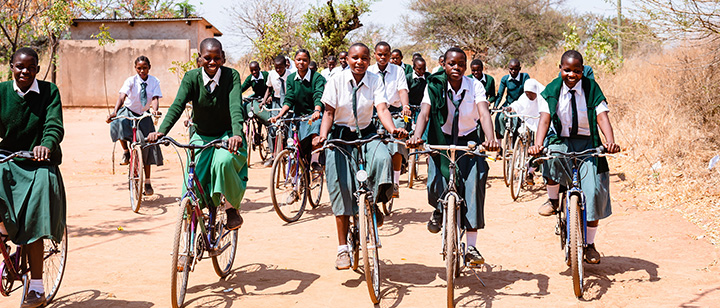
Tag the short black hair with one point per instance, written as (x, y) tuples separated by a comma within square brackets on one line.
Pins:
[(454, 49), (417, 61), (345, 52), (25, 51), (361, 45), (572, 54), (142, 59), (254, 63), (398, 51), (280, 59), (302, 50), (477, 62), (210, 42), (513, 61), (416, 55), (382, 43), (442, 56), (332, 58), (312, 63)]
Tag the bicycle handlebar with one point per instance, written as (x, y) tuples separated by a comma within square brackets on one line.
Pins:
[(524, 117), (19, 154), (552, 154), (144, 115), (165, 140), (470, 149)]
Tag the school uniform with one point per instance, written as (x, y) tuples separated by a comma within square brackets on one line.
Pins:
[(514, 87), (407, 68), (32, 197), (328, 73), (416, 90), (489, 84), (394, 80), (438, 69), (139, 93), (303, 95), (354, 104), (217, 114), (557, 100), (278, 84), (258, 85), (445, 127)]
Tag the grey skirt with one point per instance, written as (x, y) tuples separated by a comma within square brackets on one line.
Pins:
[(121, 129)]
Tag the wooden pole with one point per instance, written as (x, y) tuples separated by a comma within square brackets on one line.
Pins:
[(619, 27)]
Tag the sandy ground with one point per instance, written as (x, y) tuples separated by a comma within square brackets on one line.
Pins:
[(651, 258)]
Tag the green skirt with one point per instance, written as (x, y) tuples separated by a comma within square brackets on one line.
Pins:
[(596, 187), (32, 202), (340, 175), (221, 172), (394, 147)]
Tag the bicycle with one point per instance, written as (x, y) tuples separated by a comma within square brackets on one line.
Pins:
[(363, 226), (412, 159), (293, 182), (15, 267), (200, 227), (136, 168), (571, 220), (507, 154), (519, 164), (255, 131), (452, 232)]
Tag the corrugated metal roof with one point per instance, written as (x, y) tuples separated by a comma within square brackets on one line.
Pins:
[(134, 20)]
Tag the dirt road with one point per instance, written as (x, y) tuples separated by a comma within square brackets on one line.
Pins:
[(121, 259)]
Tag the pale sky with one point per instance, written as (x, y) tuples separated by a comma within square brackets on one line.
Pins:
[(385, 13)]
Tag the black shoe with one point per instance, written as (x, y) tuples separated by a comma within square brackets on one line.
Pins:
[(591, 254), (435, 223), (234, 220), (379, 216), (473, 256), (34, 299), (125, 159), (148, 190)]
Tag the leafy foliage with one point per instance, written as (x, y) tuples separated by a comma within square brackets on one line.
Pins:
[(332, 22), (179, 68)]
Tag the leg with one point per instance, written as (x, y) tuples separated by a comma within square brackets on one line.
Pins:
[(126, 153), (35, 296), (342, 224), (397, 160), (148, 186)]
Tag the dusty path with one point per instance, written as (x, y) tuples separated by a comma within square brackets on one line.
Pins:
[(652, 258)]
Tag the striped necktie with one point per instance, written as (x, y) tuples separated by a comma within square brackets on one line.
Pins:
[(143, 93), (355, 111)]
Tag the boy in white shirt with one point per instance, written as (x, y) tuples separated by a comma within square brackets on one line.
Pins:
[(277, 82)]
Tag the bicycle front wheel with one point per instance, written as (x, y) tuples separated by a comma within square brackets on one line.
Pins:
[(136, 177), (287, 186), (223, 255), (368, 240), (182, 254), (451, 249), (507, 156), (576, 244), (249, 137), (54, 261), (517, 168)]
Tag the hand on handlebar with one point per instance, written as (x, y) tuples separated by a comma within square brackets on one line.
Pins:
[(234, 143), (156, 113), (611, 147), (154, 136), (401, 133), (318, 141), (110, 117), (507, 109), (414, 142), (41, 153), (315, 115), (535, 150), (406, 111), (274, 119), (491, 145)]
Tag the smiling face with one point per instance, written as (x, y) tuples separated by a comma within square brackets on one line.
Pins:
[(24, 68), (382, 55), (396, 58), (571, 71), (331, 64), (342, 57), (455, 65), (212, 59), (477, 71), (255, 70), (280, 67), (514, 68), (358, 59), (302, 61), (143, 69)]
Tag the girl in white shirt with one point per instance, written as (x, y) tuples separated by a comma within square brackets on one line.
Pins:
[(527, 105)]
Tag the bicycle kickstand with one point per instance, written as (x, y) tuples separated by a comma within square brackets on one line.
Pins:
[(472, 268)]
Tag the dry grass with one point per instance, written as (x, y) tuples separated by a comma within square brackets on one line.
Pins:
[(664, 108)]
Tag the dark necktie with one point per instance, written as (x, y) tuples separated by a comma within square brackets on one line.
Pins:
[(355, 112), (573, 105), (456, 116), (143, 93), (383, 73), (208, 87), (282, 87)]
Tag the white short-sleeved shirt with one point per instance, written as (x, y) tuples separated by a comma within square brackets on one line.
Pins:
[(327, 73), (564, 110), (469, 112), (274, 82), (338, 95), (395, 81), (525, 106), (131, 88)]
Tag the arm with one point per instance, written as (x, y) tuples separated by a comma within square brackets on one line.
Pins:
[(237, 114), (420, 125), (543, 126), (246, 84), (53, 131), (386, 118), (490, 143), (318, 88), (184, 95), (604, 123), (290, 101), (118, 105), (405, 101), (266, 97), (325, 126), (500, 93), (491, 95)]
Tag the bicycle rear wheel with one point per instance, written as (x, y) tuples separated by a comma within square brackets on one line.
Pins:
[(287, 186), (226, 245), (260, 141), (182, 255), (517, 169), (316, 180), (54, 261), (576, 244), (136, 177), (368, 240), (507, 156), (451, 249)]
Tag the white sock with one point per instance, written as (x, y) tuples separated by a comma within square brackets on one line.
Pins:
[(37, 285), (396, 176), (342, 248), (147, 181), (471, 237), (590, 235), (553, 191)]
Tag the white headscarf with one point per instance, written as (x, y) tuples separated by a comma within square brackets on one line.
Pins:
[(534, 86)]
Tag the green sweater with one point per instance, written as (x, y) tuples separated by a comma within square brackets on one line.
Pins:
[(515, 89), (489, 84), (302, 96), (213, 113), (259, 87), (416, 88), (33, 120)]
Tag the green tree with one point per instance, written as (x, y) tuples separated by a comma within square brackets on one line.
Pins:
[(332, 22)]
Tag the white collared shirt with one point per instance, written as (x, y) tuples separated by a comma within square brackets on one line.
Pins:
[(306, 78), (484, 78), (338, 94), (259, 77), (132, 85), (416, 76), (215, 80), (564, 110), (33, 88), (394, 82), (469, 112), (274, 82), (525, 106), (327, 72)]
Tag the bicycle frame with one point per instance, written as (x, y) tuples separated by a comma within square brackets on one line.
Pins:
[(575, 190)]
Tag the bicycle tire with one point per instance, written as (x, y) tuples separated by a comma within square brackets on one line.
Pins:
[(54, 262), (178, 287), (261, 140), (250, 138), (223, 261), (412, 171), (136, 177), (368, 242), (354, 240), (576, 244), (562, 225), (507, 155), (316, 181), (451, 249), (283, 165), (517, 169)]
